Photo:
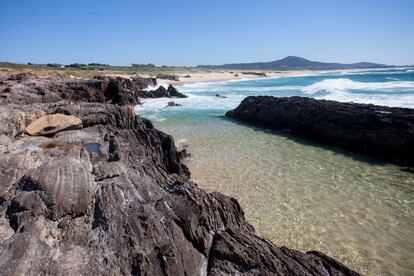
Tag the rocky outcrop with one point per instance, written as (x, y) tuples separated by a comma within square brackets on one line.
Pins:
[(25, 88), (114, 197), (161, 92), (377, 130)]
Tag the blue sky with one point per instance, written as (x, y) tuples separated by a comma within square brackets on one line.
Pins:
[(185, 32)]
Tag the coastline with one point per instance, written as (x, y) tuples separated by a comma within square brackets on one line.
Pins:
[(237, 75), (83, 188)]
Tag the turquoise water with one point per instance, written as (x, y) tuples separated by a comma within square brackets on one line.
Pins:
[(384, 87), (296, 192)]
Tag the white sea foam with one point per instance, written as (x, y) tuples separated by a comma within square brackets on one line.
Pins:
[(343, 85), (393, 71), (392, 92), (391, 78), (241, 89), (159, 83), (401, 100)]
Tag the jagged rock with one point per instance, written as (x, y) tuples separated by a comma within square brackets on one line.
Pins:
[(114, 198), (168, 77), (382, 131), (26, 89), (161, 92), (173, 92), (53, 123)]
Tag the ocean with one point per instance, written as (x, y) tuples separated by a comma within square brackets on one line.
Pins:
[(296, 192)]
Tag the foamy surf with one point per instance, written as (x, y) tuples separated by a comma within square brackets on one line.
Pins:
[(344, 84), (390, 88)]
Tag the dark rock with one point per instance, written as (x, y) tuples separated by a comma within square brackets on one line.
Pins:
[(161, 92), (220, 96), (173, 92), (27, 88), (377, 130), (187, 76), (173, 104), (168, 77), (114, 198), (262, 74)]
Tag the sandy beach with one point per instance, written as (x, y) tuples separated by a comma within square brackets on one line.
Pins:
[(201, 75)]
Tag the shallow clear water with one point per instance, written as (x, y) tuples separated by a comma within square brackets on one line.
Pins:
[(295, 192)]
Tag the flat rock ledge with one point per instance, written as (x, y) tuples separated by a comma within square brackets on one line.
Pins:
[(113, 197), (386, 132)]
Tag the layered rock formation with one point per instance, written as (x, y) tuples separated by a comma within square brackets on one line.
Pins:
[(25, 88), (113, 197), (377, 130)]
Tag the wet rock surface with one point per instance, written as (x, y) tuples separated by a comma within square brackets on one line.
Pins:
[(376, 130), (114, 197)]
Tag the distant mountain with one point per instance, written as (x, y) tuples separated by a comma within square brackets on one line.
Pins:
[(294, 63)]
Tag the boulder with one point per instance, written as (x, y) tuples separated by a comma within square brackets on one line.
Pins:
[(173, 92), (173, 104), (54, 123)]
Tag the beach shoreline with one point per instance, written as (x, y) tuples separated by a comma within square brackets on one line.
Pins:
[(205, 76)]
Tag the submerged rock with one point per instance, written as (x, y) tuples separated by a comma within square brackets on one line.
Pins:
[(377, 130), (115, 198)]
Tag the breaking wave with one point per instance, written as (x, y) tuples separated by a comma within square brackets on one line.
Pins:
[(346, 85)]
